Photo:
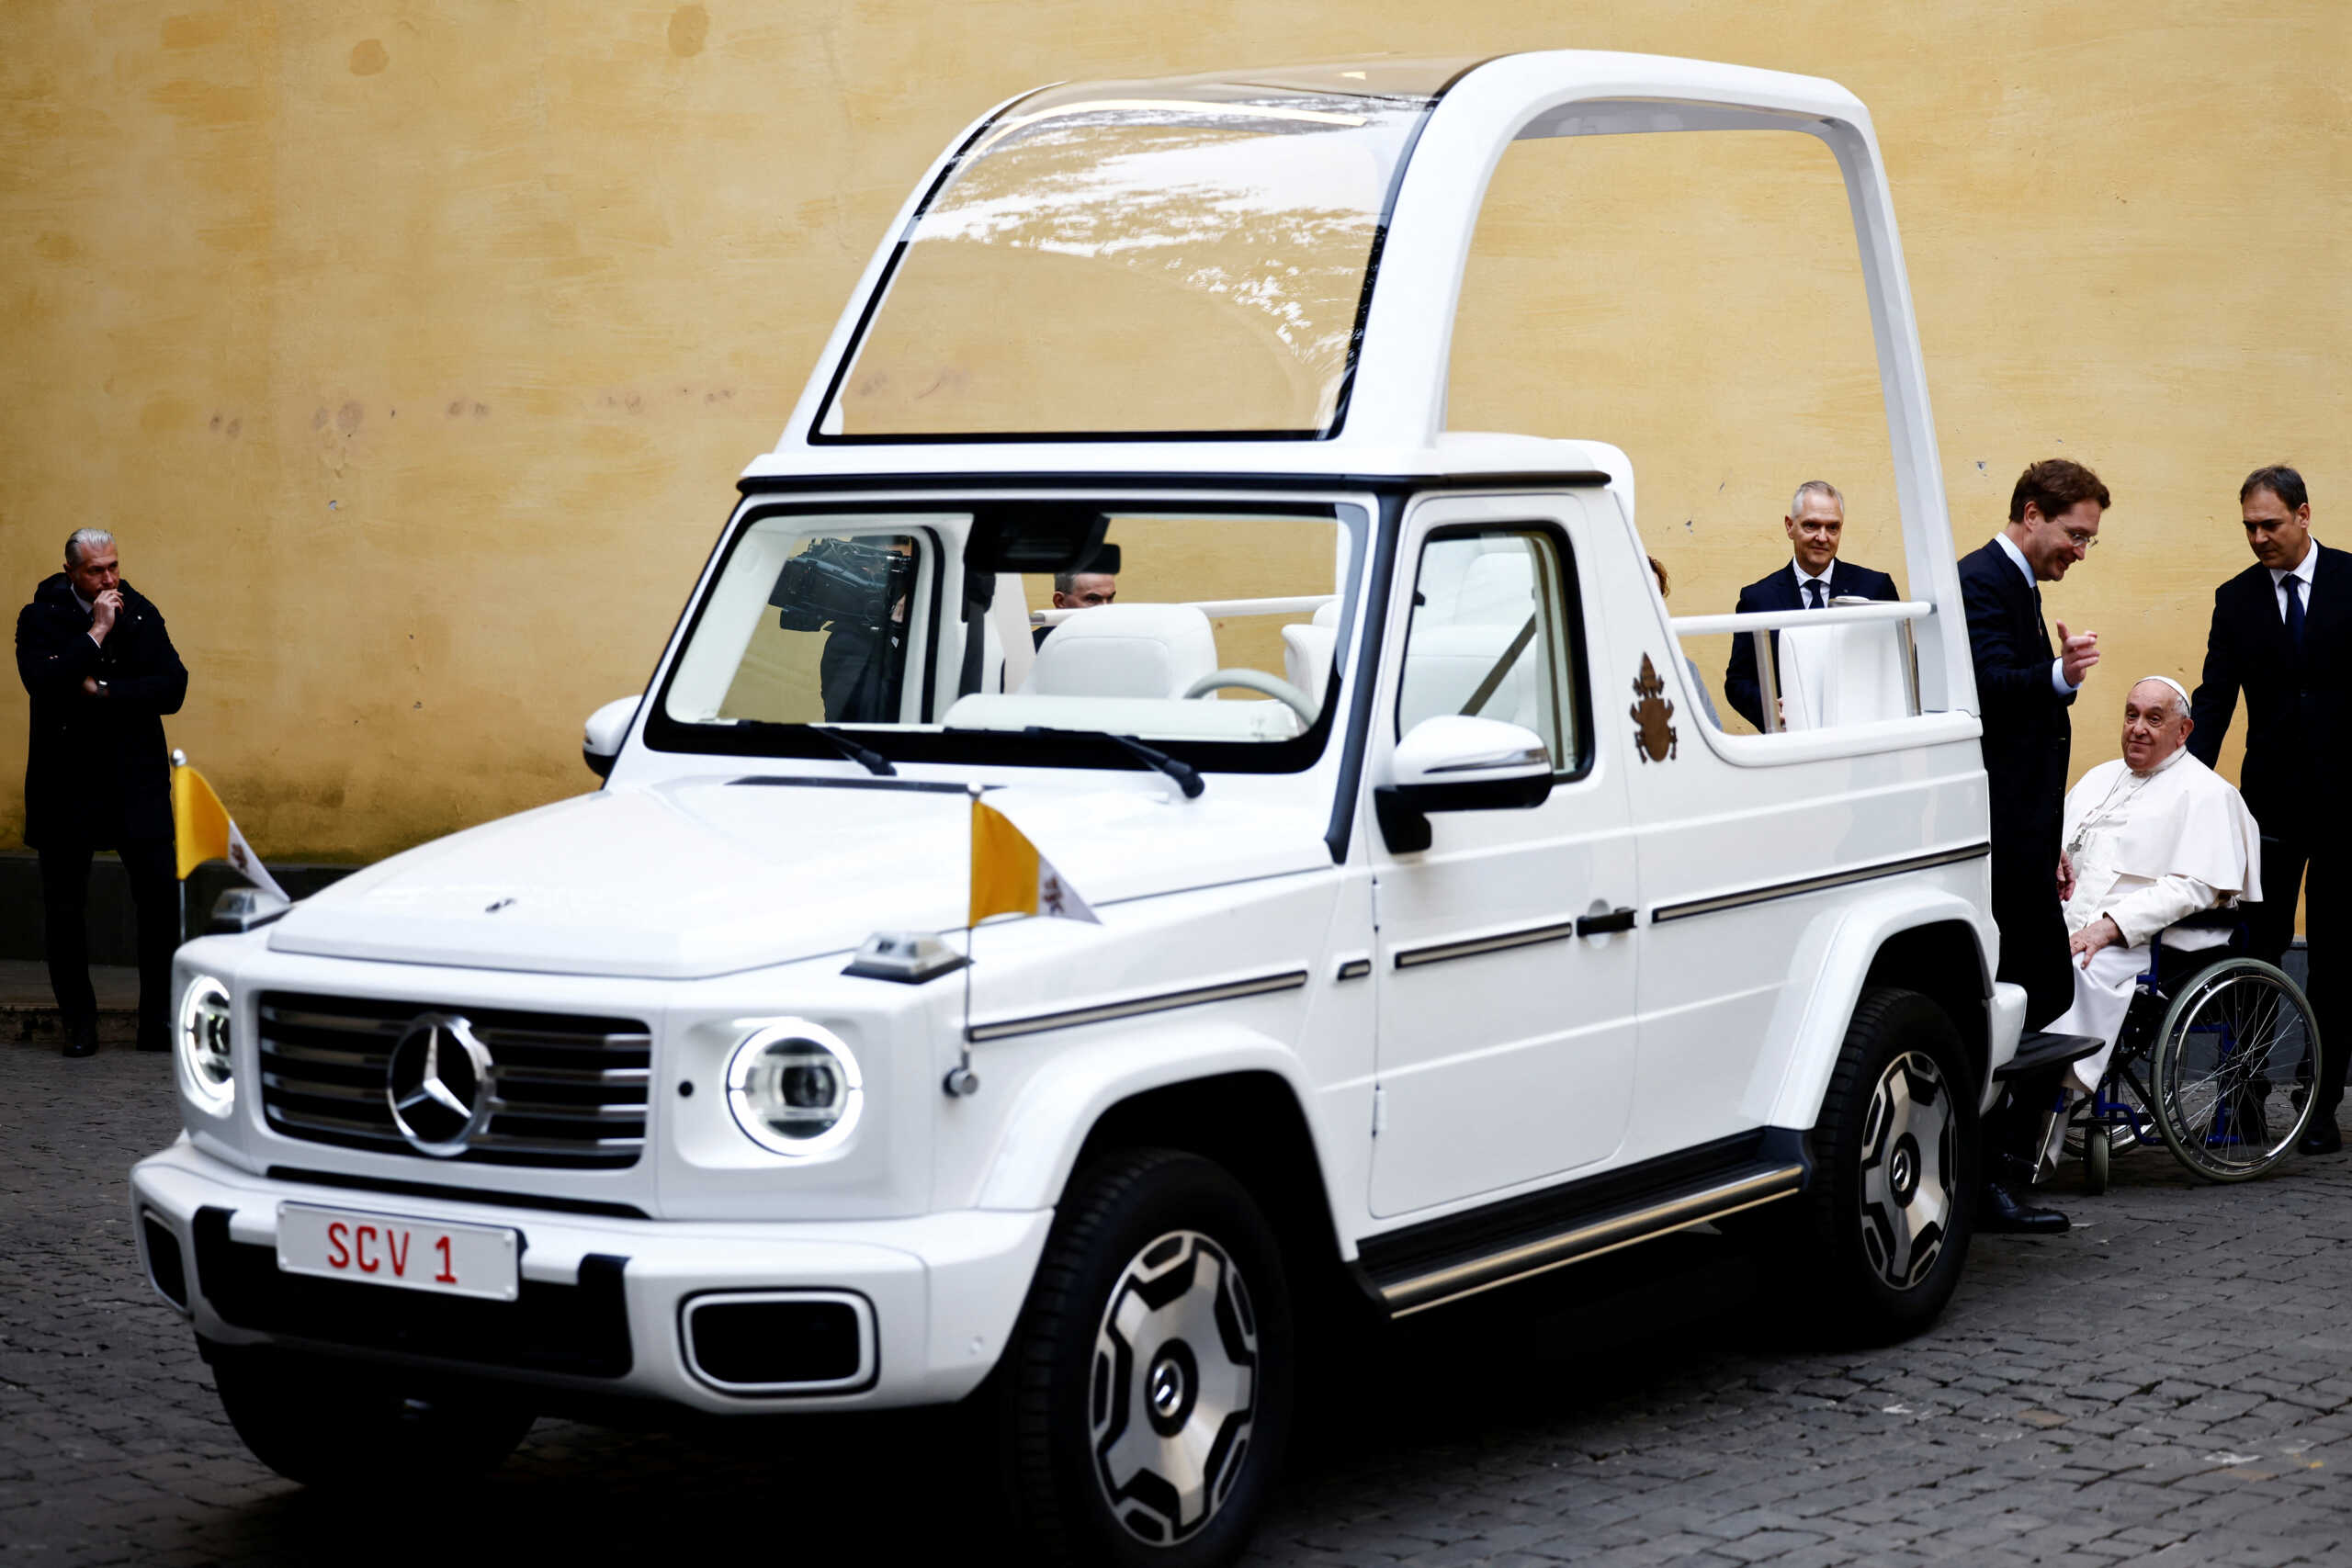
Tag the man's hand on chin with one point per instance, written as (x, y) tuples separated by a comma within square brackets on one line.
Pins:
[(2101, 932)]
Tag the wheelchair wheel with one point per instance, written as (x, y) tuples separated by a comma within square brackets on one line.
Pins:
[(2234, 1065), (2095, 1160)]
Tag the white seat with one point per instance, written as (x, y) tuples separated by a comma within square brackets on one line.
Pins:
[(1306, 657), (1125, 650)]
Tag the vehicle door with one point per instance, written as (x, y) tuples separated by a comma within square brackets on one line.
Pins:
[(1506, 1038)]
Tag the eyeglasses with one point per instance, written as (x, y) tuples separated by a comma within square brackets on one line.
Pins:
[(2085, 543)]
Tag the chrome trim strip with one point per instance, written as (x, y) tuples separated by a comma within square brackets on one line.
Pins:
[(1037, 1023), (1769, 891), (1534, 756), (1354, 969), (315, 1089), (544, 1110), (1423, 1292), (1438, 951)]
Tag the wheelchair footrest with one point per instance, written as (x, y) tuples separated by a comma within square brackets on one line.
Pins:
[(2038, 1051)]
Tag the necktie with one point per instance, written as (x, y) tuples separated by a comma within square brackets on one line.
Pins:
[(2295, 586), (1813, 586)]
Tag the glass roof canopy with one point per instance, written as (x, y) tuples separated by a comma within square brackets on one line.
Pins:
[(1185, 257)]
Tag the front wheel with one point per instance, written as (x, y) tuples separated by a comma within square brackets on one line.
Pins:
[(1143, 1402), (337, 1425), (1887, 1219)]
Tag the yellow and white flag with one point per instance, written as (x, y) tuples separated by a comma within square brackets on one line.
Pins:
[(1010, 878), (205, 833)]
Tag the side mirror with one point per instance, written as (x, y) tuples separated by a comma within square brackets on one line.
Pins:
[(600, 746), (1454, 762)]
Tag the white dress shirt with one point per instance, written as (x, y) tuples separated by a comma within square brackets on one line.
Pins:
[(1804, 600), (2058, 682), (2303, 570)]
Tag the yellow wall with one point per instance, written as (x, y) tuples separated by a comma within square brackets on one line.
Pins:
[(413, 347)]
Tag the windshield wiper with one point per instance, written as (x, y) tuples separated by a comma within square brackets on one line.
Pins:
[(865, 757), (1187, 777)]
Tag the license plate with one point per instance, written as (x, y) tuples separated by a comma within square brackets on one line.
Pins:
[(411, 1255)]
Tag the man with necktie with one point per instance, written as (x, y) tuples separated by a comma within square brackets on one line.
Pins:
[(2023, 689), (1815, 522), (2282, 634)]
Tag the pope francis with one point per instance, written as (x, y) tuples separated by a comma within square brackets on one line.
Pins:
[(2150, 837)]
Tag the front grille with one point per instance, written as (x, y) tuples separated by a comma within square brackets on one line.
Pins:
[(564, 1091)]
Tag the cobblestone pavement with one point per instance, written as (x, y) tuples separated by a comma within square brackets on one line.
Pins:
[(2169, 1382)]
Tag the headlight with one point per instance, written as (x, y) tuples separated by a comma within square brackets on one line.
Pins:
[(204, 1043), (794, 1088)]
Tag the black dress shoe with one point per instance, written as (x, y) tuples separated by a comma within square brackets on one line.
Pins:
[(1999, 1213), (2321, 1139), (81, 1037)]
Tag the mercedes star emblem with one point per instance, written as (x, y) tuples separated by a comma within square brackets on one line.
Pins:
[(437, 1084)]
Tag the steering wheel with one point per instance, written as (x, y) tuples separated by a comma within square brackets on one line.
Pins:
[(1274, 686)]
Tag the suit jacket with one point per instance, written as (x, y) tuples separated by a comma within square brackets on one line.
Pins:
[(2027, 734), (96, 771), (2027, 738), (1779, 592), (2296, 705)]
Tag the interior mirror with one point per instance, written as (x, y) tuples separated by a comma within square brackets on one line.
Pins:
[(600, 746), (1039, 535), (1454, 762)]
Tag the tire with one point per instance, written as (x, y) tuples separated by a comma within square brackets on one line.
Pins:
[(1097, 1376), (2232, 1117), (1887, 1217), (2096, 1152), (336, 1424)]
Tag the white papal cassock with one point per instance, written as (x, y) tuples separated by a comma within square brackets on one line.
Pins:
[(2148, 849)]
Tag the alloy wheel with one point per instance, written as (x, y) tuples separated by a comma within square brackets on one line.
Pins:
[(1175, 1387)]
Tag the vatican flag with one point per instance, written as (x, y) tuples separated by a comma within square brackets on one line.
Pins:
[(205, 833), (1010, 878)]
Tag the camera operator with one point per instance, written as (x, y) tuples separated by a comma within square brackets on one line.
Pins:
[(857, 591)]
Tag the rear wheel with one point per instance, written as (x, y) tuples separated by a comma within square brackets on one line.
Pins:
[(1144, 1400), (334, 1424), (1885, 1229), (2234, 1067)]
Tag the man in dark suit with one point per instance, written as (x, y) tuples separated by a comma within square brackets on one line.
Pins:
[(2282, 634), (1817, 518), (102, 673), (2023, 690)]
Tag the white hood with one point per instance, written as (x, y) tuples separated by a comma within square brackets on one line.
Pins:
[(704, 876)]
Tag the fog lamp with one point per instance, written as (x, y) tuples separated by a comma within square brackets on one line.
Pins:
[(795, 1088), (203, 1041)]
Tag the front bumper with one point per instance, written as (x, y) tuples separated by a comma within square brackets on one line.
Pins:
[(602, 1305)]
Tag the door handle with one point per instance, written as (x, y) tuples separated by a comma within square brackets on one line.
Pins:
[(1601, 925)]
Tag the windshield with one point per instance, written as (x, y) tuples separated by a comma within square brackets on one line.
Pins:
[(1212, 629), (1174, 257)]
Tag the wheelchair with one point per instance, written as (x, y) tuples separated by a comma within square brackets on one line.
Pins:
[(2217, 1059)]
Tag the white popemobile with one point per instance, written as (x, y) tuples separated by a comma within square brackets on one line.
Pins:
[(1439, 941)]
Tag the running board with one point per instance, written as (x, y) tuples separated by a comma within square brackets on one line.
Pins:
[(2036, 1052), (1410, 1277)]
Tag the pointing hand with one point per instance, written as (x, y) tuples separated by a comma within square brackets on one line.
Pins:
[(2076, 654)]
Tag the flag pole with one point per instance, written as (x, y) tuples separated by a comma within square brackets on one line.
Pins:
[(961, 1080), (179, 760)]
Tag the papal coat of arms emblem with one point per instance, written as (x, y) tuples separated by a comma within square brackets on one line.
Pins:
[(1652, 715)]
